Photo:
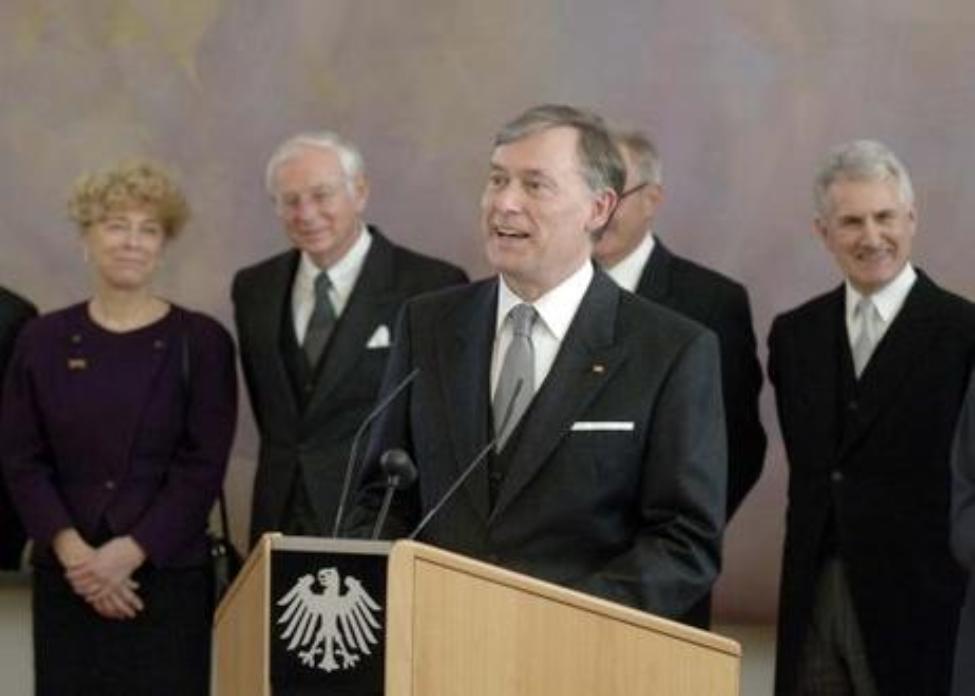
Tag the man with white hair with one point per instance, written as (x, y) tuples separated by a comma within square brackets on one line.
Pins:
[(315, 325), (869, 379)]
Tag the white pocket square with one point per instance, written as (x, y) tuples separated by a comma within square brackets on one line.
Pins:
[(589, 426), (379, 338)]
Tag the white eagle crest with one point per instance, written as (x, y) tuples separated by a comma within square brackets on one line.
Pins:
[(336, 626)]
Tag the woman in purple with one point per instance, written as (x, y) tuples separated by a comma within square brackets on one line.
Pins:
[(118, 418)]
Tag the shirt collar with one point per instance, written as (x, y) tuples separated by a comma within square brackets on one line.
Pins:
[(889, 299), (628, 270), (556, 308), (342, 273)]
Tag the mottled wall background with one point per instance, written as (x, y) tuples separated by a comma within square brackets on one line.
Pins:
[(743, 96)]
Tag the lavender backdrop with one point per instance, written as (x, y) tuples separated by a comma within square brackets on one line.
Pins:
[(743, 96)]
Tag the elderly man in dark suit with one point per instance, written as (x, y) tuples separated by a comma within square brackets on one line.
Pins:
[(869, 379), (608, 467), (315, 325), (14, 313), (638, 261)]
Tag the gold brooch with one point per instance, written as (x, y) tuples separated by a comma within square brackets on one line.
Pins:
[(77, 364)]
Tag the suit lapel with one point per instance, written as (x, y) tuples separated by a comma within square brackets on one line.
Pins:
[(269, 314), (585, 362), (370, 302), (654, 282), (465, 342), (820, 346), (903, 346)]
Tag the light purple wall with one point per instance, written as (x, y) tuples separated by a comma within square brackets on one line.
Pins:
[(743, 96)]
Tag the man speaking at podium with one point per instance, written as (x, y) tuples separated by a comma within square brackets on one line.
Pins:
[(601, 411)]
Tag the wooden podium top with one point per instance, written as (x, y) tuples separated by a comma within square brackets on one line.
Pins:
[(459, 626)]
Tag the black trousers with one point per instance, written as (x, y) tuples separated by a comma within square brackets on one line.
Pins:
[(164, 650)]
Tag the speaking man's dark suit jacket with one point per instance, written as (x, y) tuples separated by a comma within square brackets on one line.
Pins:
[(963, 540), (633, 516), (14, 313), (869, 470), (317, 438)]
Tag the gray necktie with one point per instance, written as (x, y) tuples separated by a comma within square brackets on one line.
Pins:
[(321, 322), (518, 366), (868, 320)]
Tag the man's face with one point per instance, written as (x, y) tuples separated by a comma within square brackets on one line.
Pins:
[(632, 217), (320, 211), (537, 212), (869, 229)]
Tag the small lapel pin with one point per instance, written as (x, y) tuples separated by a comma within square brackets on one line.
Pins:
[(158, 344), (599, 368), (77, 364)]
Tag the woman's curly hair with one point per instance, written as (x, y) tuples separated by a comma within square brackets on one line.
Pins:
[(135, 183)]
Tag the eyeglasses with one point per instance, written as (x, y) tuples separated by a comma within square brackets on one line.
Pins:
[(638, 187)]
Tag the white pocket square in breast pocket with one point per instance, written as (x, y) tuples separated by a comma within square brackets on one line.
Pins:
[(603, 426), (379, 338)]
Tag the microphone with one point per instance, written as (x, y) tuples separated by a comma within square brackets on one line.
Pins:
[(400, 474), (481, 456), (354, 449)]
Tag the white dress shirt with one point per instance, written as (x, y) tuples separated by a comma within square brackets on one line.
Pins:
[(343, 275), (556, 309), (628, 270), (888, 301)]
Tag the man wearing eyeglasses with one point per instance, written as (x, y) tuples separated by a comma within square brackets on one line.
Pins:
[(637, 260), (315, 325)]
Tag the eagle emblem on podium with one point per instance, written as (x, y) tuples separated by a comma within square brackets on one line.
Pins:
[(330, 629)]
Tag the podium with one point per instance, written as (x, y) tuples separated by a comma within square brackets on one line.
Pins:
[(460, 627)]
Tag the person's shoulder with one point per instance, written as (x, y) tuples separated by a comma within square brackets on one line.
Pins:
[(55, 325), (645, 318), (201, 326), (455, 295), (811, 308), (254, 274), (446, 301), (949, 301), (420, 267), (691, 272), (14, 305)]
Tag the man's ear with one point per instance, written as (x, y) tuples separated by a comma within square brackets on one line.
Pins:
[(603, 205), (360, 188), (820, 229), (653, 197)]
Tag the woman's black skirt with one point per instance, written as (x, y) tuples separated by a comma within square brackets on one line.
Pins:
[(164, 650)]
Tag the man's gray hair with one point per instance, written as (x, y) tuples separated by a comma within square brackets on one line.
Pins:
[(643, 153), (860, 160), (602, 164), (349, 156)]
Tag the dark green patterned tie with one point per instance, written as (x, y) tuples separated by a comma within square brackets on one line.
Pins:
[(321, 323)]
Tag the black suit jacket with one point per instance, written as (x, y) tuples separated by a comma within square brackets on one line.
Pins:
[(963, 540), (14, 313), (872, 472), (634, 516), (721, 304), (317, 438)]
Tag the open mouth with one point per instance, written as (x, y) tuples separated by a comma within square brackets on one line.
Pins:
[(508, 233)]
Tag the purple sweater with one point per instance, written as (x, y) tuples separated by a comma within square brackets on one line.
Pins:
[(126, 432)]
